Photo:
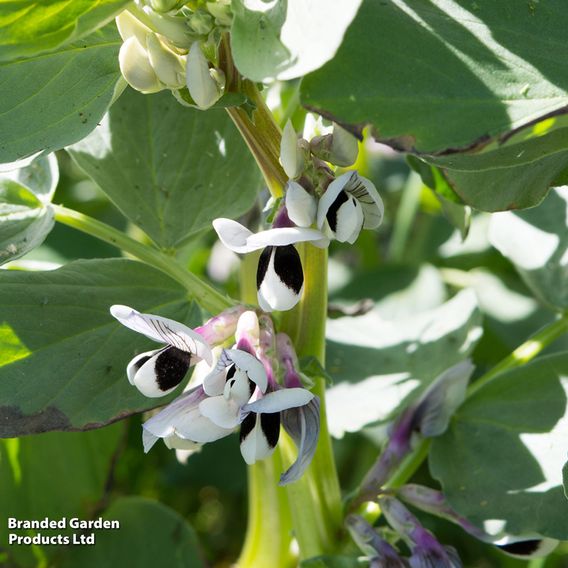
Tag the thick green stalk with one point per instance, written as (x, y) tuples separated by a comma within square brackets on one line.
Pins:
[(269, 526), (209, 298), (262, 136), (315, 500)]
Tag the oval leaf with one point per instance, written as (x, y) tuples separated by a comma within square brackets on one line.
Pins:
[(50, 101), (500, 463), (63, 356), (170, 169)]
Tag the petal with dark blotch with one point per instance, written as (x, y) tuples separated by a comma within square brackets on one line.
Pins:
[(529, 548), (161, 373), (302, 424), (280, 278), (134, 365), (259, 436), (164, 330)]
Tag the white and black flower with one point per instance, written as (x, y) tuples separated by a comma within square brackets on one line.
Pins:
[(158, 372), (280, 278), (349, 204)]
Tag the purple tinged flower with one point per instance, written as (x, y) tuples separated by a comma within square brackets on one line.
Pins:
[(221, 327), (429, 416), (434, 502), (427, 552), (379, 551)]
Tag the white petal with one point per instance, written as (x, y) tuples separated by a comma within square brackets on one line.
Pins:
[(238, 388), (166, 64), (290, 155), (161, 373), (330, 195), (183, 418), (274, 293), (255, 445), (222, 412), (367, 195), (136, 68), (301, 206), (349, 221), (284, 236), (344, 147), (129, 26), (280, 400), (148, 440), (163, 330), (251, 365), (214, 382), (137, 362), (201, 85), (233, 235), (174, 442)]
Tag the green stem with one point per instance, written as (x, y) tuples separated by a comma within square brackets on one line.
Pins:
[(265, 147), (269, 525), (520, 356), (315, 500), (209, 298)]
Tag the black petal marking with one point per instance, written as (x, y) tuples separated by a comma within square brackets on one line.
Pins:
[(332, 211), (141, 362), (270, 424), (171, 366), (247, 426), (522, 548), (263, 262), (288, 267), (230, 373)]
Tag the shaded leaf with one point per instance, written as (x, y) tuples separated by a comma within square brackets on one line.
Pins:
[(26, 216), (52, 100), (380, 365), (58, 475), (62, 356), (499, 59), (169, 169), (150, 535), (536, 242), (500, 463), (30, 28), (287, 38)]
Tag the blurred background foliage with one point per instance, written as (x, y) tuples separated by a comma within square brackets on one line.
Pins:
[(415, 262)]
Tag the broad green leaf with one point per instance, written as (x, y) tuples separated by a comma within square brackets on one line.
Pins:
[(500, 463), (285, 39), (378, 364), (150, 535), (536, 242), (62, 356), (446, 75), (30, 28), (26, 216), (170, 169), (49, 101), (58, 475)]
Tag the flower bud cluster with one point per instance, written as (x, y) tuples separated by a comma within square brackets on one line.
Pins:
[(170, 46), (240, 389)]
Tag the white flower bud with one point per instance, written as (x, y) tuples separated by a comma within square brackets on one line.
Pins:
[(136, 68), (129, 26), (301, 206), (168, 66), (291, 155), (202, 86), (344, 147), (164, 5)]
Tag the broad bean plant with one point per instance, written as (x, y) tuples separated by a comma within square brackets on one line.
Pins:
[(319, 243)]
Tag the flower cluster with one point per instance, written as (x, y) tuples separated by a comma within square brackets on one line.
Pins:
[(169, 46), (241, 390), (317, 208)]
